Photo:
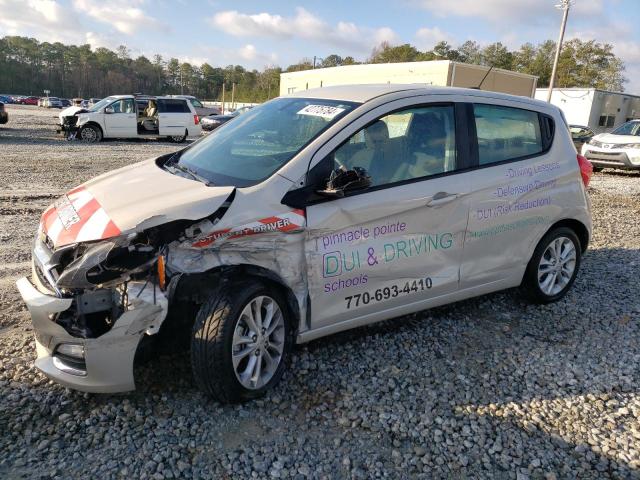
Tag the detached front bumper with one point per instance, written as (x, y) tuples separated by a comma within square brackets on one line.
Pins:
[(107, 363), (66, 129)]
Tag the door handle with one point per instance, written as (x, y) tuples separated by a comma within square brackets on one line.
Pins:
[(441, 198)]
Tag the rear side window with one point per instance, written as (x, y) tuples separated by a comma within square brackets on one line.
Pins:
[(173, 106), (506, 133)]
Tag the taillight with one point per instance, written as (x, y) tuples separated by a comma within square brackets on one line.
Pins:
[(586, 169), (196, 119)]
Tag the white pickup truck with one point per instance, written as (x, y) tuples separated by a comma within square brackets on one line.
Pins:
[(129, 116)]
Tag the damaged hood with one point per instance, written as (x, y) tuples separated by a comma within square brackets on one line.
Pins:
[(132, 198), (71, 111)]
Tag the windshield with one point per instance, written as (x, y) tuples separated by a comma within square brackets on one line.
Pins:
[(102, 103), (629, 128), (251, 148)]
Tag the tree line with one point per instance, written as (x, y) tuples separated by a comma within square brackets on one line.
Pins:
[(28, 67)]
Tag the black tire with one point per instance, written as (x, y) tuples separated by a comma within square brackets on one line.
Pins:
[(530, 284), (92, 134), (212, 337), (178, 139), (597, 169)]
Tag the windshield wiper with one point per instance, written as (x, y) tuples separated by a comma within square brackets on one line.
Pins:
[(189, 172)]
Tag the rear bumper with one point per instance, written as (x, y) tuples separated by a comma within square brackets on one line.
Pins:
[(107, 365)]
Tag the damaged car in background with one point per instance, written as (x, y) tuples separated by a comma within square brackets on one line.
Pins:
[(131, 116), (310, 214)]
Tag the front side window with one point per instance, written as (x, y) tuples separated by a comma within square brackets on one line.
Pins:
[(196, 103), (506, 133), (125, 105), (408, 144), (256, 144)]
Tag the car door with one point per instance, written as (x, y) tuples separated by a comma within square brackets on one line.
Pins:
[(172, 116), (389, 248), (122, 121), (517, 190)]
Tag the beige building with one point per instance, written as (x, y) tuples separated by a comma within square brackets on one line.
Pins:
[(437, 72)]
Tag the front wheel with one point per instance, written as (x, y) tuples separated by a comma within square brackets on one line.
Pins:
[(241, 342), (553, 267), (90, 134), (597, 169)]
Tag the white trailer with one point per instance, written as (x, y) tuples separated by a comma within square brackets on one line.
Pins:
[(600, 110)]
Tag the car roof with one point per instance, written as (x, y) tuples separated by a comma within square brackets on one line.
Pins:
[(147, 97), (366, 92)]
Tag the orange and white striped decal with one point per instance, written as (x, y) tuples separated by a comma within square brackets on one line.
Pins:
[(77, 217), (285, 222)]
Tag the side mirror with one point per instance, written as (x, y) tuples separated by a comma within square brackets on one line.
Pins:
[(109, 110), (342, 180)]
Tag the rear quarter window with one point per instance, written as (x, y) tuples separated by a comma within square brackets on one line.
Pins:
[(507, 133), (173, 106)]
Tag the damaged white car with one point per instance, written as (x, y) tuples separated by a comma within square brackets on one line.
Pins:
[(131, 116), (310, 214)]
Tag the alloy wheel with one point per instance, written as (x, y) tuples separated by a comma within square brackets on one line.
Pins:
[(557, 266), (258, 342)]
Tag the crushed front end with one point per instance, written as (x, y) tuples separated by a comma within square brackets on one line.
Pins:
[(91, 303)]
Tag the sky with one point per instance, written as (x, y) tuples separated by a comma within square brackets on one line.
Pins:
[(256, 34)]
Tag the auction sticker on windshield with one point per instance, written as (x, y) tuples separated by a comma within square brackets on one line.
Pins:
[(324, 111)]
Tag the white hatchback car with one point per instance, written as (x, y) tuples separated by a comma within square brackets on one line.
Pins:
[(619, 149), (129, 116), (314, 213)]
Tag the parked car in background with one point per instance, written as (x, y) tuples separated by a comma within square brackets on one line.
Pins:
[(29, 101), (77, 102), (580, 135), (92, 102), (65, 102), (52, 102), (201, 110), (318, 212), (41, 101), (5, 99), (4, 116), (618, 149), (129, 116), (214, 121)]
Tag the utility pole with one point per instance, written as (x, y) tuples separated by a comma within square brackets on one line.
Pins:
[(181, 84), (564, 5), (233, 95), (223, 96)]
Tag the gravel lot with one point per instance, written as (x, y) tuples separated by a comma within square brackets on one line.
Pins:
[(486, 388)]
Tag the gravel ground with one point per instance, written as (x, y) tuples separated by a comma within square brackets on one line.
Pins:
[(486, 388)]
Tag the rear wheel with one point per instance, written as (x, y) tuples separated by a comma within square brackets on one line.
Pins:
[(553, 266), (597, 169), (178, 138), (90, 134), (241, 342)]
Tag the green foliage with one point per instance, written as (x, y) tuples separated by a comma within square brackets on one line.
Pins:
[(29, 67)]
